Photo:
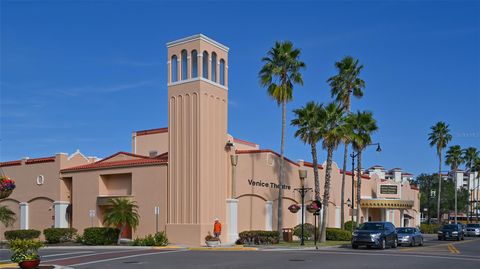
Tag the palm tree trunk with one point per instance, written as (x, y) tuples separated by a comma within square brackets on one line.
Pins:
[(359, 185), (282, 168), (122, 228), (342, 199), (455, 173), (315, 171), (326, 195), (469, 205), (439, 187), (476, 195)]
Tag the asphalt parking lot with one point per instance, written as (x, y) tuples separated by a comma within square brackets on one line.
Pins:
[(435, 254)]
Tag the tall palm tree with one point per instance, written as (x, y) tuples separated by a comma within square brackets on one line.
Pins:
[(470, 155), (454, 159), (361, 125), (281, 70), (121, 212), (7, 216), (476, 167), (343, 85), (308, 122), (333, 131), (439, 137)]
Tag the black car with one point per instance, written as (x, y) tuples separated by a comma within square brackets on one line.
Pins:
[(451, 231), (375, 234)]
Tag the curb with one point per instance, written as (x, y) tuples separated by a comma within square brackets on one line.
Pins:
[(15, 265), (169, 247)]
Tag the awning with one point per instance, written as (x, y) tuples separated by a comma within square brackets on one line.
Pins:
[(386, 203), (105, 200)]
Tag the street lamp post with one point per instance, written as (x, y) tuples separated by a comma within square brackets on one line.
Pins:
[(302, 190), (354, 155), (349, 204)]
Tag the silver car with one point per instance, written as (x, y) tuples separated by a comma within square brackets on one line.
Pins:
[(409, 236), (473, 229)]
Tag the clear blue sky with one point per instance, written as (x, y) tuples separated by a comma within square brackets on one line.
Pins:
[(84, 75)]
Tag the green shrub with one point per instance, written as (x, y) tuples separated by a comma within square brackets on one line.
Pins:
[(21, 234), (348, 225), (100, 236), (337, 234), (24, 249), (308, 231), (59, 235), (159, 239), (259, 237), (429, 228)]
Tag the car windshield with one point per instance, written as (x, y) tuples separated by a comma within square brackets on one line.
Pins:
[(405, 230), (450, 226), (372, 226), (473, 225)]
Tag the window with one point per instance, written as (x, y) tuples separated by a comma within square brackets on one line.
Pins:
[(174, 67), (205, 64), (184, 65), (194, 64), (214, 66), (222, 72)]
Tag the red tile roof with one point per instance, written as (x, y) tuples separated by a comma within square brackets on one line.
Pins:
[(151, 131), (116, 164), (123, 153), (29, 161), (309, 164), (252, 151)]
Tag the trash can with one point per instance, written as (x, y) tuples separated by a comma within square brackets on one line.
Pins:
[(287, 234)]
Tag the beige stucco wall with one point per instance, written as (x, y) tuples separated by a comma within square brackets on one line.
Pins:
[(144, 144)]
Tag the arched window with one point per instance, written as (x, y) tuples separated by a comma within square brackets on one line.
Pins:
[(184, 65), (205, 65), (174, 68), (214, 66), (194, 64), (222, 72)]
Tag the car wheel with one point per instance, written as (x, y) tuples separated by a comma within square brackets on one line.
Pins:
[(369, 247), (395, 243), (382, 244), (421, 242), (412, 243), (354, 246), (463, 237)]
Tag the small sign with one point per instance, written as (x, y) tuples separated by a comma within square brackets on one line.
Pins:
[(91, 212), (157, 210), (388, 189)]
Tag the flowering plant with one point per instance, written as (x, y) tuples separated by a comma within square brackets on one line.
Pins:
[(294, 208), (6, 184)]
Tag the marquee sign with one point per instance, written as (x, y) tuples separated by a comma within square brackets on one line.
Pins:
[(389, 190)]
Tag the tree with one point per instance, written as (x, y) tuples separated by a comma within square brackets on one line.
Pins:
[(476, 167), (344, 84), (332, 131), (426, 183), (281, 70), (439, 137), (7, 216), (454, 159), (361, 125), (308, 122), (470, 155), (121, 212)]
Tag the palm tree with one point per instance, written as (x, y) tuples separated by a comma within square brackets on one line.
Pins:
[(454, 159), (361, 125), (7, 216), (308, 122), (470, 155), (439, 137), (121, 212), (281, 70), (344, 84), (476, 167), (333, 131)]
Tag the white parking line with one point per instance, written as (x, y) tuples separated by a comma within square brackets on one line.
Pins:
[(94, 254), (126, 257), (56, 255)]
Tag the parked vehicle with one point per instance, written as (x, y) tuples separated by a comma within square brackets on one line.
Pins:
[(451, 231), (473, 229), (409, 236), (375, 234)]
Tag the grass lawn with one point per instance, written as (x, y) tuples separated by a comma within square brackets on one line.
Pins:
[(311, 243)]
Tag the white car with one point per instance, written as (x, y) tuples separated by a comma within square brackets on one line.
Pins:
[(473, 229)]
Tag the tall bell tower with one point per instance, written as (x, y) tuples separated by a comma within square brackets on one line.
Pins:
[(197, 127)]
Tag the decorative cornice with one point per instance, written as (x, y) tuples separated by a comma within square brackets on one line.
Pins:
[(197, 37), (196, 79)]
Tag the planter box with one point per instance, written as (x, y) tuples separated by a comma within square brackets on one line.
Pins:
[(212, 243), (29, 264)]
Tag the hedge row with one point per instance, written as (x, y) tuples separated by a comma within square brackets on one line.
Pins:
[(259, 237), (337, 234), (429, 228), (59, 235), (21, 234), (159, 239), (100, 236)]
